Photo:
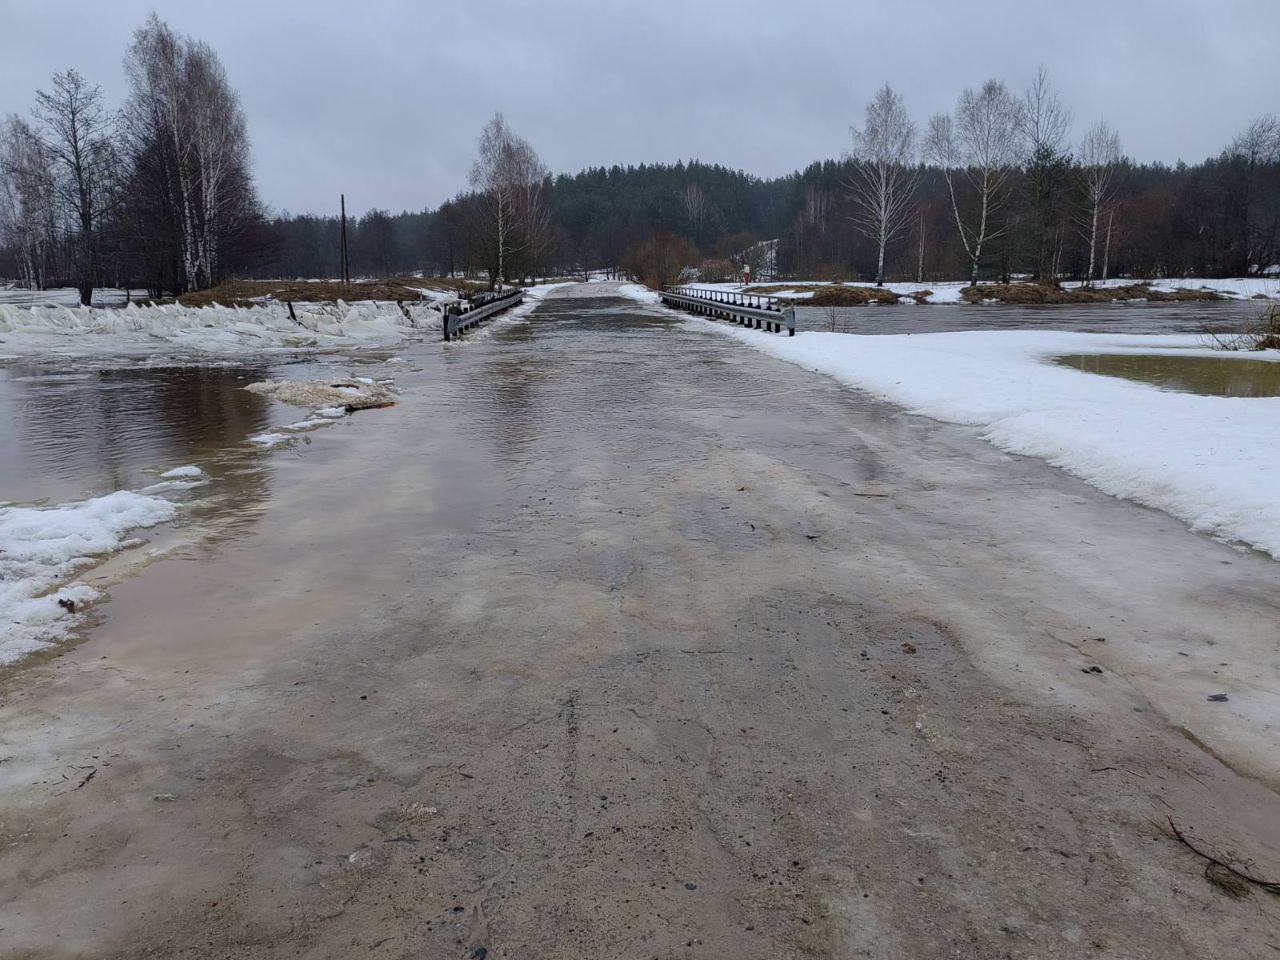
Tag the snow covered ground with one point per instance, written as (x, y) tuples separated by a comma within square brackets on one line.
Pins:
[(639, 292), (1240, 288), (1237, 288), (1210, 461), (40, 547)]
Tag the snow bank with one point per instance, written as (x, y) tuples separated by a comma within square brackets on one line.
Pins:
[(1237, 288), (135, 329), (40, 547), (1210, 461), (639, 292)]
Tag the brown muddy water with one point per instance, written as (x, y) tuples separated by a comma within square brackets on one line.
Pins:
[(70, 433), (1130, 317), (1227, 376)]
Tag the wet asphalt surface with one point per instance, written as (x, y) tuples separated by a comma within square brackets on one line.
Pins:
[(614, 639)]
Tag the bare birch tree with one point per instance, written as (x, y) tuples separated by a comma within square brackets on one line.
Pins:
[(158, 121), (187, 132), (978, 146), (697, 209), (220, 155), (28, 216), (1253, 156), (885, 173), (510, 183), (1045, 125), (79, 134), (1099, 157)]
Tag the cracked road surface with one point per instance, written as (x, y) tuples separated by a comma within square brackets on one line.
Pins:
[(617, 640)]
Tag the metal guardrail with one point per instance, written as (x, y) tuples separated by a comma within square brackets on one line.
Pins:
[(458, 319), (744, 309)]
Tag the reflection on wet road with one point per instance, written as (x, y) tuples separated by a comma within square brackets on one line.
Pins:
[(102, 430), (67, 434)]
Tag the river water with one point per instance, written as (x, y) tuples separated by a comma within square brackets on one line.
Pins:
[(1192, 317)]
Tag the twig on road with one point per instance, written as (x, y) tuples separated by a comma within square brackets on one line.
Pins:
[(1271, 886)]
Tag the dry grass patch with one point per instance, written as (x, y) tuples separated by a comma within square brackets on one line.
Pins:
[(851, 296), (239, 293), (1037, 293), (837, 295)]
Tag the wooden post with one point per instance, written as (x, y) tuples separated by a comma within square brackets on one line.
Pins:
[(346, 262)]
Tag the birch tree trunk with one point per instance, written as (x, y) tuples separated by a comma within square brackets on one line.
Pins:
[(886, 175)]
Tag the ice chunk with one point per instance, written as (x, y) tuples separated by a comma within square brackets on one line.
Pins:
[(190, 470), (42, 546)]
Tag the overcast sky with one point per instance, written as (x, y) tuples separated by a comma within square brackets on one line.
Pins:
[(384, 99)]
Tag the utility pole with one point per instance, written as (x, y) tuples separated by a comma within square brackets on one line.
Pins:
[(920, 249), (346, 261)]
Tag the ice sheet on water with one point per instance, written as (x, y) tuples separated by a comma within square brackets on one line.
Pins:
[(353, 394), (270, 439), (189, 471), (41, 546)]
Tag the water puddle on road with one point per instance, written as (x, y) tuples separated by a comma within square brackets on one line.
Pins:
[(1227, 376), (105, 429)]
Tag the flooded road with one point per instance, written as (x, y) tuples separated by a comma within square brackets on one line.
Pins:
[(613, 639)]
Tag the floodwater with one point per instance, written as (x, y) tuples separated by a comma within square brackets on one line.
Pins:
[(671, 640), (1227, 376), (1142, 318), (71, 432), (66, 434)]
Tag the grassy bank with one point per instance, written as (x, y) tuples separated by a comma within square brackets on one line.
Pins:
[(247, 292), (1033, 293)]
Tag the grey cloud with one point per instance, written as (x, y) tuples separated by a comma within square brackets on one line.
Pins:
[(384, 100)]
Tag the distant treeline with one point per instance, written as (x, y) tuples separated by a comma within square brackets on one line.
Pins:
[(160, 195), (1213, 219)]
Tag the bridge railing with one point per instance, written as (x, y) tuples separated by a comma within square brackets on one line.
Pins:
[(460, 317), (745, 309)]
